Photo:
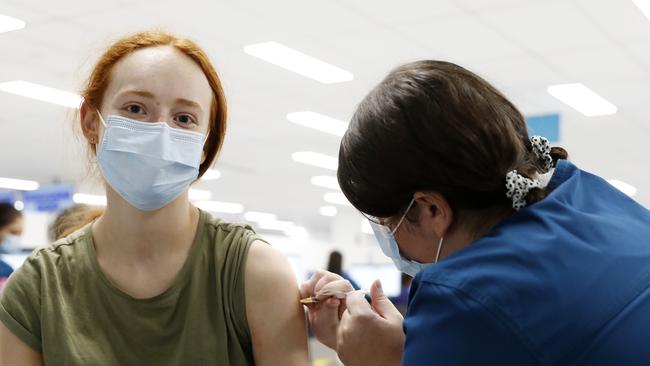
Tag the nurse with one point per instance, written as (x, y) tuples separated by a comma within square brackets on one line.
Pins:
[(519, 256)]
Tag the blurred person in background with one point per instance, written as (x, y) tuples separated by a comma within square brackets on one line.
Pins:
[(11, 228), (335, 265), (72, 219), (401, 301), (154, 280), (519, 257)]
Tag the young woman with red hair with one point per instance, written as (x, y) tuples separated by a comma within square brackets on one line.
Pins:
[(154, 280)]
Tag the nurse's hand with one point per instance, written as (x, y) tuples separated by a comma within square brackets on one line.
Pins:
[(370, 334), (324, 316)]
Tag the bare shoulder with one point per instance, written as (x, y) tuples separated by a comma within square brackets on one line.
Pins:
[(267, 269), (273, 307)]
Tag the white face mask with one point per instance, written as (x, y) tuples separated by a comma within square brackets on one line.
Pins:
[(149, 164), (10, 244), (388, 244)]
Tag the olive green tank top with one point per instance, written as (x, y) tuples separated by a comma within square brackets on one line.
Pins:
[(61, 304)]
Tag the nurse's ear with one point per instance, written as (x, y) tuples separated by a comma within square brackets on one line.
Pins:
[(437, 213), (89, 123)]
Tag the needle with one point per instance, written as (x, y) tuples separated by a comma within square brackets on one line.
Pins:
[(335, 294)]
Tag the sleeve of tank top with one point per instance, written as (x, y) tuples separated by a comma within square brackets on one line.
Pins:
[(445, 326), (20, 303), (240, 239)]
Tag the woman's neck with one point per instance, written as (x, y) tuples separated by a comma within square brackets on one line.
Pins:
[(126, 231)]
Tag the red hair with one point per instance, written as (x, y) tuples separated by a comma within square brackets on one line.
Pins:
[(100, 78)]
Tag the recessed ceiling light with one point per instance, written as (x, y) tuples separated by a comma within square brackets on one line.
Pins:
[(626, 188), (19, 205), (644, 6), (220, 207), (8, 23), (259, 216), (276, 225), (211, 174), (89, 199), (582, 99), (18, 184), (365, 227), (325, 181), (297, 232), (199, 194), (329, 211), (336, 198), (42, 93), (318, 122), (298, 62), (316, 159)]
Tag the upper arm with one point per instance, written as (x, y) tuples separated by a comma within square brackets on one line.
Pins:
[(20, 332), (275, 317), (444, 326), (15, 352)]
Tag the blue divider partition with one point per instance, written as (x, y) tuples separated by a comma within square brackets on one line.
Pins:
[(547, 125)]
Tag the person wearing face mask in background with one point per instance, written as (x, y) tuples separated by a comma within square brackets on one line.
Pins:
[(11, 228), (153, 280), (519, 257)]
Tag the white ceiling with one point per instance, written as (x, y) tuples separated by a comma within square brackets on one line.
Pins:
[(522, 46)]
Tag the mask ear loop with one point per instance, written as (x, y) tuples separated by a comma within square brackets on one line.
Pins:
[(102, 119), (103, 123), (402, 220), (403, 216), (439, 249)]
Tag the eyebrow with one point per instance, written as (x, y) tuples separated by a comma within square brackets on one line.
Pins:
[(189, 103), (140, 92), (146, 94)]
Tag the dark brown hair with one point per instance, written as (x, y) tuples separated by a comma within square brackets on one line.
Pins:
[(335, 263), (435, 126), (8, 214)]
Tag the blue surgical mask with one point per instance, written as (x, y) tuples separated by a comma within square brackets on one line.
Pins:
[(10, 244), (149, 164), (388, 244)]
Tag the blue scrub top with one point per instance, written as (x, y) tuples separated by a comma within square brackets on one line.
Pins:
[(565, 281)]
